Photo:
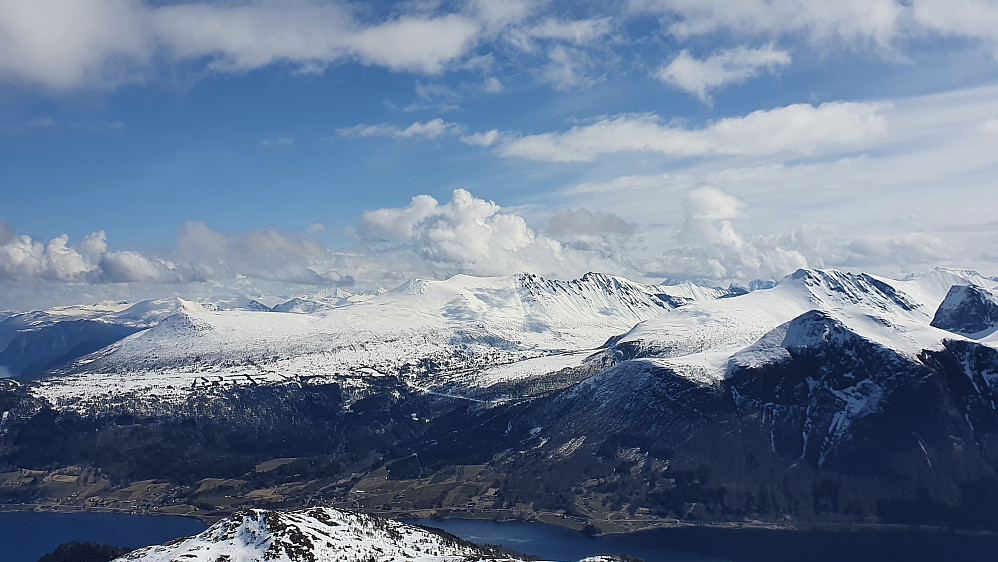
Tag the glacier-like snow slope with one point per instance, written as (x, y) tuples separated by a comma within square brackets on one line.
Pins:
[(453, 328), (319, 534), (698, 341)]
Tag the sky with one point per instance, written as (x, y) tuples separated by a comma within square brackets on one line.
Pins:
[(290, 147)]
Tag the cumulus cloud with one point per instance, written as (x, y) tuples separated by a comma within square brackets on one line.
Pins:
[(432, 129), (202, 254), (21, 257), (794, 129), (466, 234), (730, 66), (707, 246)]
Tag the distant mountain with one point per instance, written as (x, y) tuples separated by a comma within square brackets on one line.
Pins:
[(968, 310), (444, 330), (34, 342)]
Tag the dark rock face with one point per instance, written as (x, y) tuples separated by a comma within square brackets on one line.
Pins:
[(969, 311), (836, 399)]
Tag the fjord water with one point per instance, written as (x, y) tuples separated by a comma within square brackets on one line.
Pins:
[(26, 536), (688, 544)]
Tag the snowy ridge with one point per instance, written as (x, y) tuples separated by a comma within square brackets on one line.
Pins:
[(462, 325), (317, 534)]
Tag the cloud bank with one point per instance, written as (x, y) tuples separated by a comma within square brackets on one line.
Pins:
[(794, 129), (61, 45)]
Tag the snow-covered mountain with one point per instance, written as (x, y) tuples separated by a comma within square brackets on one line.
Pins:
[(435, 332), (317, 534), (968, 310), (701, 340)]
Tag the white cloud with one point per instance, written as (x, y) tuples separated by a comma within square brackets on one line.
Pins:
[(466, 234), (492, 85), (794, 129), (432, 129), (579, 32), (61, 44), (731, 66), (65, 44), (921, 197), (417, 44), (202, 254), (498, 14), (970, 18), (133, 267), (850, 24), (569, 68), (21, 257), (487, 138)]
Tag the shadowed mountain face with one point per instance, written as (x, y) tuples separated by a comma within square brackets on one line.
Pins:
[(968, 310), (33, 352), (827, 398)]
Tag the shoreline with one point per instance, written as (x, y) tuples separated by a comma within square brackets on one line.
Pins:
[(551, 519)]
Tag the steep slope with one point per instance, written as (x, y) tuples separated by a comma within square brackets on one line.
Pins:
[(319, 535), (828, 396), (968, 310)]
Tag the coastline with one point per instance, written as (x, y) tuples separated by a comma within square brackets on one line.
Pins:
[(625, 527)]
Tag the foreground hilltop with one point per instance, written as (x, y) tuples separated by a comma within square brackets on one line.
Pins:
[(323, 534), (833, 397), (318, 535)]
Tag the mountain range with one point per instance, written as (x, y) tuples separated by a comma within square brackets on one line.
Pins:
[(828, 398)]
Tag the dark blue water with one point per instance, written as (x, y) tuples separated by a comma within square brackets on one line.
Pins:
[(713, 544), (555, 543), (27, 536)]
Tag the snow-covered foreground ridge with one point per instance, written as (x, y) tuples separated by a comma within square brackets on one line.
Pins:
[(320, 535), (317, 534)]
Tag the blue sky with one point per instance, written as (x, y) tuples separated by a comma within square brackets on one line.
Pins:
[(248, 146)]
